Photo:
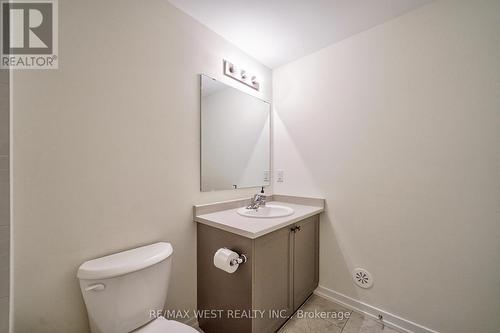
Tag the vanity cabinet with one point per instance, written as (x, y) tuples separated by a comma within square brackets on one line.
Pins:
[(305, 260), (281, 273)]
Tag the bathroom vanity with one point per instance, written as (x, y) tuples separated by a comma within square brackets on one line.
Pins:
[(281, 271), (280, 240)]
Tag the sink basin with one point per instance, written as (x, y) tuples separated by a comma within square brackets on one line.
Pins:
[(266, 211)]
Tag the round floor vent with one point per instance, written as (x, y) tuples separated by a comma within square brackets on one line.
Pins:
[(362, 278)]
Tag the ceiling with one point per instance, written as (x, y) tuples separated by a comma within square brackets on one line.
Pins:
[(279, 31)]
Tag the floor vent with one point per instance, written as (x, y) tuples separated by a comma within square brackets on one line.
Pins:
[(362, 278)]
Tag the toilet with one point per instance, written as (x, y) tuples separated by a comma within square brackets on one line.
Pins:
[(124, 291)]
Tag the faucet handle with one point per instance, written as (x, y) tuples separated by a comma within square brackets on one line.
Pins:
[(256, 201), (262, 199)]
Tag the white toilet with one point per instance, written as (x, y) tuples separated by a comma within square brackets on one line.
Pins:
[(121, 291)]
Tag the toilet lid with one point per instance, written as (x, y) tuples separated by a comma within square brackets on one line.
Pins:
[(162, 325)]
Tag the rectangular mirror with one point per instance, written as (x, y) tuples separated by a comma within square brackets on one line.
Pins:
[(235, 138)]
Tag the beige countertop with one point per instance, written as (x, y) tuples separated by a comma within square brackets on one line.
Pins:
[(229, 220)]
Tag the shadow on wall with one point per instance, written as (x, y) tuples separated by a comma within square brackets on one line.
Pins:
[(335, 258), (302, 177)]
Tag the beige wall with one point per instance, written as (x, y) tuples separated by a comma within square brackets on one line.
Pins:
[(398, 127), (106, 151), (4, 201)]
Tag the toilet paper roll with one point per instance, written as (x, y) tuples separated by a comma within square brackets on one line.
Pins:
[(222, 260)]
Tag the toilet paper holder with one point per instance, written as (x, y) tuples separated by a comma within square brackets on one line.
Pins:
[(238, 261)]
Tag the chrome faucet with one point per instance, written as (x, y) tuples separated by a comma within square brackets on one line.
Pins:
[(257, 200)]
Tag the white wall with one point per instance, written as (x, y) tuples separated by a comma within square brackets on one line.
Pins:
[(106, 151), (398, 128)]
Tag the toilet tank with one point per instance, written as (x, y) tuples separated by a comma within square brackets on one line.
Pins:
[(121, 291)]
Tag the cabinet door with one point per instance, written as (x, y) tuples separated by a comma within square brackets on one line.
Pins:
[(305, 259), (218, 290), (272, 291)]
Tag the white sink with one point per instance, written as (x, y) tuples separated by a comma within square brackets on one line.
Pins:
[(266, 211)]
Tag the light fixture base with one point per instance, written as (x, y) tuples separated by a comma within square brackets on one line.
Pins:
[(241, 75)]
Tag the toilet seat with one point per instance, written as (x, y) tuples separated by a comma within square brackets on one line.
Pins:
[(162, 325)]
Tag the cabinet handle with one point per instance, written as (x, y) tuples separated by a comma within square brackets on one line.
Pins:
[(298, 228), (295, 229)]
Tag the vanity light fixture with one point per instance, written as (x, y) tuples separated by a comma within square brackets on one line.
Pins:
[(241, 75)]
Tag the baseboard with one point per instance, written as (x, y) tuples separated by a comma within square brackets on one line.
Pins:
[(390, 320)]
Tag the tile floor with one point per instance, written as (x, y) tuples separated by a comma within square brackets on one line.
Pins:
[(336, 321), (353, 323)]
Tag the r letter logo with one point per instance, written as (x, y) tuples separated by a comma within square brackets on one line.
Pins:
[(29, 34)]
